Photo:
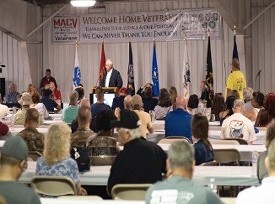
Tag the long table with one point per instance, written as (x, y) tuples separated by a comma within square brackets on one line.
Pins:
[(224, 175), (86, 201)]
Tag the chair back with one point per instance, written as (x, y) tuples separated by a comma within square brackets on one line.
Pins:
[(129, 191), (227, 157), (223, 141), (33, 155), (171, 139), (53, 185), (89, 197)]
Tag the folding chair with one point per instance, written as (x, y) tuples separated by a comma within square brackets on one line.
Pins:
[(227, 156), (171, 139), (53, 186), (129, 191)]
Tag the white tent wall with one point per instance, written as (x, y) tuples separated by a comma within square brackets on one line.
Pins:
[(59, 57), (262, 44)]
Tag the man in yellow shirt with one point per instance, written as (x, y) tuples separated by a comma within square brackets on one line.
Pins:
[(236, 80)]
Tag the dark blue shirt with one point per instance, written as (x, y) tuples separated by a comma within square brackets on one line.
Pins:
[(49, 103), (118, 102), (178, 123), (202, 154), (97, 107)]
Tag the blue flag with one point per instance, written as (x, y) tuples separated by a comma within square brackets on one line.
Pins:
[(155, 73), (77, 73)]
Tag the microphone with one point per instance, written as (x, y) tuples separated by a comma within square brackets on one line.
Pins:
[(258, 73)]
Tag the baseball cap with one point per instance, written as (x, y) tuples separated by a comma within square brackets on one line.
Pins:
[(15, 147), (123, 90), (128, 119), (26, 99)]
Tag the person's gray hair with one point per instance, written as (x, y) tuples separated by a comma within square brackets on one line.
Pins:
[(238, 103), (248, 93), (134, 133), (181, 154)]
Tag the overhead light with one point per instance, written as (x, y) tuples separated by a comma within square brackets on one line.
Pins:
[(83, 3)]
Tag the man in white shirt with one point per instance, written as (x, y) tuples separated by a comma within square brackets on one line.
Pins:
[(263, 193), (237, 125), (111, 77)]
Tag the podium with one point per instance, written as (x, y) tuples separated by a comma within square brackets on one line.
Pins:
[(109, 94)]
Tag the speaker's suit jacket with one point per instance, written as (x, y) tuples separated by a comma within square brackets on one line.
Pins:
[(115, 80)]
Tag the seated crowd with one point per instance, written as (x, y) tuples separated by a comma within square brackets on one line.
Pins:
[(98, 128)]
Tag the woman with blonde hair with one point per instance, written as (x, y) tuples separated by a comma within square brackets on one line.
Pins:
[(32, 90), (56, 159)]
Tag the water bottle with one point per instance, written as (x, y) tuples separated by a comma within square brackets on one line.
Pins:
[(212, 185), (254, 160)]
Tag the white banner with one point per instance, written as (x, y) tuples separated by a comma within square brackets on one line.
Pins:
[(137, 27)]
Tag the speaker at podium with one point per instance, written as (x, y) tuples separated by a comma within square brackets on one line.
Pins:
[(109, 94)]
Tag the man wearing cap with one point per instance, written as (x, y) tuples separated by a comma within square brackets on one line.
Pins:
[(140, 161), (118, 101), (111, 77), (178, 187), (25, 101), (13, 162)]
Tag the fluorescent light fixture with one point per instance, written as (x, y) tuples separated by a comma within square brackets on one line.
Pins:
[(83, 3)]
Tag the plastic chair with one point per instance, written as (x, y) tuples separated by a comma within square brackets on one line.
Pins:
[(53, 186), (33, 155), (239, 140), (171, 139), (227, 156), (129, 191)]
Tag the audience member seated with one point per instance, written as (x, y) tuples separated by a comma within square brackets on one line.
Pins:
[(12, 96), (263, 193), (49, 103), (79, 138), (4, 110), (164, 105), (45, 81), (257, 104), (4, 130), (218, 105), (229, 108), (99, 105), (32, 90), (236, 94), (13, 163), (140, 161), (178, 187), (103, 146), (270, 135), (81, 93), (178, 121), (33, 138), (56, 94), (118, 102), (173, 95), (262, 119), (56, 159), (70, 113), (205, 93), (39, 106), (146, 125), (269, 105), (84, 103), (203, 148), (149, 103), (192, 104), (141, 90), (248, 96), (25, 101), (237, 125)]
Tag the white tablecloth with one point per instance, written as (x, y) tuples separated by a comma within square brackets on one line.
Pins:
[(224, 175), (19, 128), (83, 201)]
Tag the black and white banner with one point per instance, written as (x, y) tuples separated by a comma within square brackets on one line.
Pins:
[(137, 27)]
